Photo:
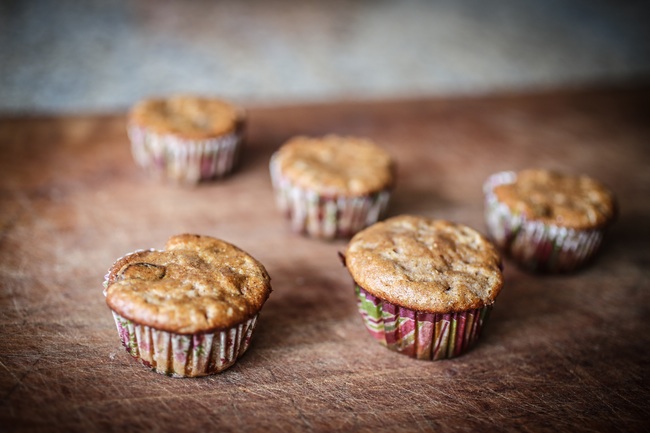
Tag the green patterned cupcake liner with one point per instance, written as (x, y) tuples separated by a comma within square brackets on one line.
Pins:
[(181, 355), (182, 160), (533, 244), (420, 335), (325, 217)]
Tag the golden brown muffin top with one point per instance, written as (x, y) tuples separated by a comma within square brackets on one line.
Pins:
[(425, 264), (577, 202), (334, 165), (197, 284), (189, 117)]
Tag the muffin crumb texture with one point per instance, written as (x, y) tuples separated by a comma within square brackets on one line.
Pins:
[(186, 116), (197, 284), (334, 165), (425, 265), (577, 202)]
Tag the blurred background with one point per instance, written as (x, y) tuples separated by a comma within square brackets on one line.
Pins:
[(100, 56)]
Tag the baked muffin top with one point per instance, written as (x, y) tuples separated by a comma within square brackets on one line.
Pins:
[(577, 202), (334, 165), (425, 264), (189, 117), (197, 284)]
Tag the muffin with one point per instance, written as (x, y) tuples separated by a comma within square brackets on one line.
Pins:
[(547, 221), (332, 187), (424, 287), (188, 310), (186, 139)]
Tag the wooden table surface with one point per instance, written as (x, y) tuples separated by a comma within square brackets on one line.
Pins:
[(561, 353)]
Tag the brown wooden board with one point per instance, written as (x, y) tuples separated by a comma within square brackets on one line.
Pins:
[(561, 353)]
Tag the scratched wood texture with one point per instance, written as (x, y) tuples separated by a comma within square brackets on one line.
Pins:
[(561, 353)]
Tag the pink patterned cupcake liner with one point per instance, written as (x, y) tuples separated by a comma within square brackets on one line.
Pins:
[(181, 355), (182, 160), (421, 335), (533, 244), (326, 217)]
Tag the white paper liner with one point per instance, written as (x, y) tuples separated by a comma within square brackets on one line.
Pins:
[(326, 217), (534, 244), (181, 160)]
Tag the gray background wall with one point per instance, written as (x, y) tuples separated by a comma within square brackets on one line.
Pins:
[(98, 56)]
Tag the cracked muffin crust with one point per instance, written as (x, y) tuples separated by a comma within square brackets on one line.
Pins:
[(197, 284), (186, 139), (189, 310), (424, 287), (555, 198), (334, 165), (332, 186), (187, 116), (425, 265), (547, 221)]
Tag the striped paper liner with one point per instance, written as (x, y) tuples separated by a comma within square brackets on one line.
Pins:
[(181, 160), (326, 217), (418, 334), (533, 244), (181, 355)]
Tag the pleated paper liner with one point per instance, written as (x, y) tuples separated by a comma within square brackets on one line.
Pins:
[(324, 217), (181, 160), (420, 335), (181, 355), (535, 245)]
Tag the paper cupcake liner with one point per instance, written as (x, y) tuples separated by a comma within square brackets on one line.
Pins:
[(326, 217), (181, 355), (418, 334), (533, 244), (182, 160)]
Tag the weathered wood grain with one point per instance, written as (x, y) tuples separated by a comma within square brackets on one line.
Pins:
[(561, 353)]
